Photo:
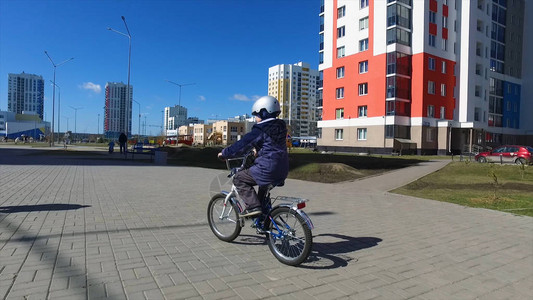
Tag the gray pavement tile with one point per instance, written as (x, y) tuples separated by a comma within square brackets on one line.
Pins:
[(139, 232)]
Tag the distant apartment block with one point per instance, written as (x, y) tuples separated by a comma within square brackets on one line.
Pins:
[(296, 86), (117, 109), (26, 94), (175, 116), (441, 76), (202, 133)]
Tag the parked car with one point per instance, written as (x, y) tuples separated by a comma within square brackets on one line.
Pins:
[(507, 154)]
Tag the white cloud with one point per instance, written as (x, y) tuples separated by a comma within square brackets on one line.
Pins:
[(91, 86), (201, 98), (241, 97)]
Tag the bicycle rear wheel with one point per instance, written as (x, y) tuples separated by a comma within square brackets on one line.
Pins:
[(223, 220), (290, 238)]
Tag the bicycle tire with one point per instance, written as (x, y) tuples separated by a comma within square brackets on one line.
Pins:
[(295, 245), (228, 227)]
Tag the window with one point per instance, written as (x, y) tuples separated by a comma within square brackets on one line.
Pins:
[(340, 52), (477, 110), (398, 35), (398, 15), (339, 113), (398, 63), (430, 134), (442, 112), (338, 134), (363, 23), (363, 45), (444, 22), (444, 44), (431, 40), (364, 3), (340, 93), (361, 134), (363, 89), (389, 131), (431, 111), (443, 89), (431, 64), (362, 110), (432, 17), (340, 72), (363, 67), (443, 67), (341, 11), (341, 31), (431, 87)]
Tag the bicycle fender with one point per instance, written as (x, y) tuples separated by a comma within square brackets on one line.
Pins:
[(299, 212)]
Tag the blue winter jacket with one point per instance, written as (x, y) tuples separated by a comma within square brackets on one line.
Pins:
[(269, 138)]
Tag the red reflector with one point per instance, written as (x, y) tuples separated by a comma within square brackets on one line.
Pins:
[(300, 205)]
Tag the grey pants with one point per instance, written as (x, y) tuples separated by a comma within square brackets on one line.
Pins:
[(244, 182)]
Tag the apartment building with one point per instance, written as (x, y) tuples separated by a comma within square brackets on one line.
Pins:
[(118, 103), (295, 86), (175, 117), (25, 94), (229, 132), (202, 135), (438, 76)]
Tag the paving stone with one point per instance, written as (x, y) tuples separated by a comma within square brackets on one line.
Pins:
[(128, 243)]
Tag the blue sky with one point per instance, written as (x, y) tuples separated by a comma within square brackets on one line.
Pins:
[(225, 47)]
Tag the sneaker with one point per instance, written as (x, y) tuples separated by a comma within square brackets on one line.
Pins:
[(251, 212)]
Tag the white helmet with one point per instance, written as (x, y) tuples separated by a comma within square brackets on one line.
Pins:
[(267, 103)]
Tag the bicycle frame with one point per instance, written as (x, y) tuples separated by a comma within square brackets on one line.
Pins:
[(295, 204)]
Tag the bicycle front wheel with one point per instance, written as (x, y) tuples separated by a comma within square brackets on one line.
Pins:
[(289, 237), (223, 219)]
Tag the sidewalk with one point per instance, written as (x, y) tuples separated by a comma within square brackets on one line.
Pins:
[(113, 229)]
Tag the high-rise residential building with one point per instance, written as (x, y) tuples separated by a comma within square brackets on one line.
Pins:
[(295, 86), (25, 93), (118, 103), (175, 117), (438, 76)]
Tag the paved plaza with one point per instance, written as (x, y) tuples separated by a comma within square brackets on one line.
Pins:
[(101, 227)]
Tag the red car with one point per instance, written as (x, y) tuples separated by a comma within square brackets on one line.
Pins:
[(507, 154)]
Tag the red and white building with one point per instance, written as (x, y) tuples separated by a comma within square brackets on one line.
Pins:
[(421, 75)]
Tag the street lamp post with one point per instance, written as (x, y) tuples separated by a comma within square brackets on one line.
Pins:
[(98, 127), (180, 85), (67, 124), (163, 133), (75, 116), (58, 111), (129, 64), (54, 93), (138, 134)]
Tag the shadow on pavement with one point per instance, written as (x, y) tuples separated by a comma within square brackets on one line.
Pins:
[(29, 156), (333, 254), (39, 207), (323, 255)]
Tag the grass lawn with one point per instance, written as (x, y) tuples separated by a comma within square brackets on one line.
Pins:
[(506, 188)]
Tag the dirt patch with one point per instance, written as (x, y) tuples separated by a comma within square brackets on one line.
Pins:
[(327, 172)]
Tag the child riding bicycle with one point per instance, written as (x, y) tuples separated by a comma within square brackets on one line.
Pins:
[(268, 138)]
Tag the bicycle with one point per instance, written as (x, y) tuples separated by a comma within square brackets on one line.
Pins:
[(286, 226)]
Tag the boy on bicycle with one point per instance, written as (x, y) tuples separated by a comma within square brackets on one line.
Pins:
[(271, 166)]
